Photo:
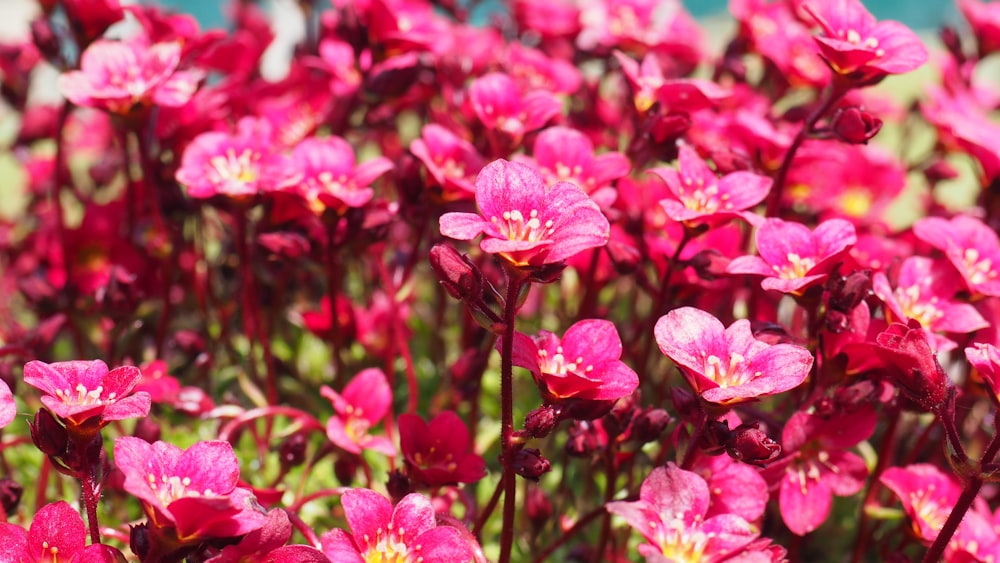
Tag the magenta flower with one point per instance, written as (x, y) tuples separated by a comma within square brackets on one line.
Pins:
[(986, 359), (79, 391), (699, 196), (911, 363), (817, 465), (971, 246), (8, 409), (525, 221), (856, 45), (501, 107), (928, 496), (239, 165), (585, 364), (671, 514), (649, 86), (728, 365), (120, 76), (267, 545), (567, 155), (56, 535), (984, 18), (926, 292), (380, 532), (792, 257), (451, 160), (364, 403), (328, 177), (440, 452), (192, 491)]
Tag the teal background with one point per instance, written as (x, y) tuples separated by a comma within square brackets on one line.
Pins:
[(918, 14)]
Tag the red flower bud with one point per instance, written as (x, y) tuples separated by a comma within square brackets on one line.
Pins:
[(10, 495), (458, 275), (749, 444), (542, 420), (855, 126), (398, 485), (530, 464), (292, 451), (648, 425), (912, 364), (50, 437)]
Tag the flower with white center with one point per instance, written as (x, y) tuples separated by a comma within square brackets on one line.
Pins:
[(79, 391)]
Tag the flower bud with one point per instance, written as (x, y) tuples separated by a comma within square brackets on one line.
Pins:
[(345, 468), (292, 451), (709, 264), (530, 464), (855, 126), (912, 364), (542, 420), (45, 39), (458, 275), (583, 440), (398, 485), (148, 429), (648, 425), (749, 444), (538, 506), (10, 495), (716, 437), (48, 435), (139, 540)]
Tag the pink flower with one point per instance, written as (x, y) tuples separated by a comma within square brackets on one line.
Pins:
[(567, 155), (192, 491), (364, 403), (777, 35), (57, 534), (857, 46), (928, 496), (499, 105), (926, 292), (79, 391), (817, 467), (792, 257), (985, 358), (728, 365), (525, 221), (984, 18), (649, 86), (381, 532), (236, 166), (699, 195), (439, 453), (671, 514), (971, 246), (911, 363), (267, 545), (451, 160), (585, 364), (736, 488), (962, 119), (328, 176), (120, 76), (8, 409)]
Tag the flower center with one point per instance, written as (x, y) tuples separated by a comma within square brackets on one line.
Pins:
[(926, 312), (977, 271), (235, 167), (356, 426), (796, 267), (388, 547), (169, 488), (854, 38), (85, 397), (557, 364), (514, 226), (730, 375), (681, 542), (927, 509), (699, 197)]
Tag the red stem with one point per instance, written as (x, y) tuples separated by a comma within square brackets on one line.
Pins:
[(514, 282)]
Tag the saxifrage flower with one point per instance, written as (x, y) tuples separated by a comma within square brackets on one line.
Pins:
[(525, 221), (56, 535), (78, 391), (364, 402), (439, 452)]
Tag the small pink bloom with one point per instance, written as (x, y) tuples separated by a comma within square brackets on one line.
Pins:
[(382, 532), (78, 391), (649, 86), (971, 246), (792, 257), (986, 359), (267, 545), (563, 154), (8, 409), (329, 178), (671, 514), (962, 119), (525, 221), (440, 452), (984, 18), (928, 496), (56, 535), (237, 165), (584, 364), (925, 291), (775, 33), (817, 465), (451, 160), (534, 70), (192, 491), (501, 107), (736, 488), (699, 195), (728, 365), (856, 45), (364, 403), (119, 76)]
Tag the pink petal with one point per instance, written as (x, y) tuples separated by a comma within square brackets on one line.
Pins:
[(850, 475), (684, 333), (507, 186), (339, 546), (57, 526), (367, 514), (804, 507), (594, 340), (462, 226), (8, 409), (444, 544), (369, 393), (749, 265), (210, 465), (413, 515)]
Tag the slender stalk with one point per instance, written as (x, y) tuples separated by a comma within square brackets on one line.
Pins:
[(568, 534), (91, 496), (514, 284)]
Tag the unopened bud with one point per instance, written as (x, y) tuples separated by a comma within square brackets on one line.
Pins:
[(582, 440), (749, 444), (459, 276), (45, 39), (292, 451), (10, 495), (709, 264), (855, 126), (538, 506), (648, 425), (540, 422), (398, 485), (530, 464), (48, 435), (912, 364), (345, 468), (717, 435)]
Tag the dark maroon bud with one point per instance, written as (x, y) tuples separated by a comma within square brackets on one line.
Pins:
[(669, 127), (685, 402), (394, 76), (769, 333), (624, 256), (716, 437), (648, 425), (459, 276), (345, 468), (709, 264), (10, 495), (855, 126), (148, 429), (582, 409), (939, 171), (48, 435), (139, 540), (618, 419), (912, 365), (546, 273), (530, 464), (847, 292), (582, 440), (749, 444), (398, 485), (538, 505), (45, 39), (292, 451), (540, 422)]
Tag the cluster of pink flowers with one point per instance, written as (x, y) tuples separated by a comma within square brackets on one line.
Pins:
[(566, 286)]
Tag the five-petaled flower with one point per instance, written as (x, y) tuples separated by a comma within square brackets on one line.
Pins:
[(56, 535), (671, 514), (364, 402), (525, 221), (440, 452), (727, 366), (78, 391), (192, 492), (585, 364), (329, 177), (406, 533), (971, 246)]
